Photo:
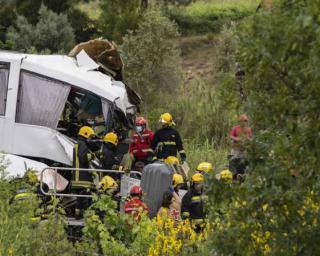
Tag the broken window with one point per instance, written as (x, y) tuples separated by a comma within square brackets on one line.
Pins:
[(4, 76), (41, 100)]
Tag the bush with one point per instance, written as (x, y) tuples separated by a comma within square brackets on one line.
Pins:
[(276, 210), (52, 34), (151, 56), (118, 17)]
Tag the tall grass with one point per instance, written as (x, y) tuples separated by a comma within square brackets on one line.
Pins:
[(209, 16), (205, 151)]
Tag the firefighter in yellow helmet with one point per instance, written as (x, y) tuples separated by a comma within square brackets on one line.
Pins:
[(109, 186), (193, 203), (171, 160), (82, 181), (204, 168), (167, 141), (177, 182), (108, 151)]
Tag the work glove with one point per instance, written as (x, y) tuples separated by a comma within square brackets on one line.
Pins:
[(91, 156)]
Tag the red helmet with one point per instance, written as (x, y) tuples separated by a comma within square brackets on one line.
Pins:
[(136, 190), (141, 121)]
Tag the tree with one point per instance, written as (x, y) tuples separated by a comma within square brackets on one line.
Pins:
[(151, 54), (52, 33), (276, 210), (118, 17)]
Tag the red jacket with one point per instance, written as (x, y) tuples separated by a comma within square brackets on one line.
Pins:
[(239, 132), (140, 147), (135, 207)]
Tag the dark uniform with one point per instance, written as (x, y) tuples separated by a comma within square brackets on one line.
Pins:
[(82, 181), (192, 208), (109, 159), (167, 142)]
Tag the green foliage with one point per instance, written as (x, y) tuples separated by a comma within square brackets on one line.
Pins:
[(52, 33), (116, 234), (151, 55), (209, 17), (274, 212), (118, 17), (19, 233)]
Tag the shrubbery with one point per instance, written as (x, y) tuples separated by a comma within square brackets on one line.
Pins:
[(52, 33), (276, 210)]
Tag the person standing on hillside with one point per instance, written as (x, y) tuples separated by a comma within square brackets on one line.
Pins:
[(167, 141), (239, 135), (140, 148)]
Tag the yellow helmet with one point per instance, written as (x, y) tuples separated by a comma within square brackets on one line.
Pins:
[(177, 179), (107, 182), (205, 167), (166, 118), (86, 131), (31, 177), (111, 137), (226, 176), (197, 178), (171, 160)]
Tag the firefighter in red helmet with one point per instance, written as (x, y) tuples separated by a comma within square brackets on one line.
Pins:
[(140, 148), (135, 206)]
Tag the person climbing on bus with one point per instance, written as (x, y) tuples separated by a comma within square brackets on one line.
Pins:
[(108, 158), (82, 181), (135, 206), (193, 203), (167, 141), (140, 148)]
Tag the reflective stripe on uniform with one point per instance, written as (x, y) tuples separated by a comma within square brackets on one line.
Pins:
[(181, 151), (22, 196), (76, 147), (196, 199), (168, 143), (147, 150), (78, 183), (185, 214)]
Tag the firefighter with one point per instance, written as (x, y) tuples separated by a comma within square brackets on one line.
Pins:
[(140, 148), (177, 182), (82, 181), (204, 168), (109, 186), (134, 206), (108, 154), (30, 188), (192, 207), (167, 141)]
